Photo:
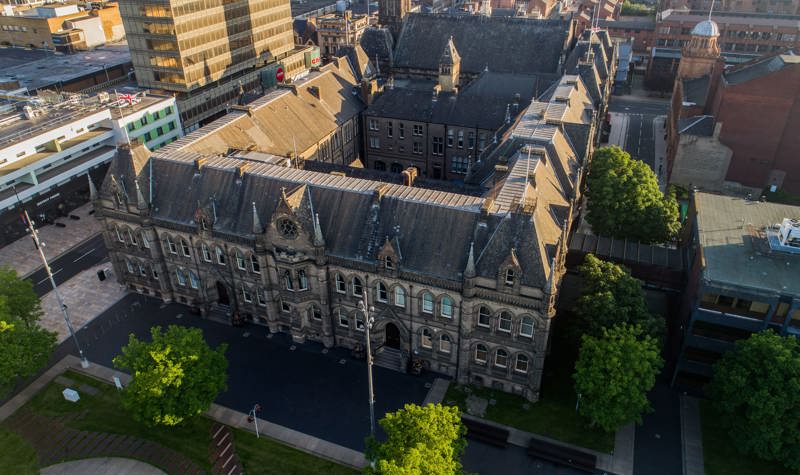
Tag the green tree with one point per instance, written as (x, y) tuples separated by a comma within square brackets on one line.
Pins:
[(610, 295), (24, 346), (625, 202), (175, 376), (22, 302), (613, 375), (756, 391), (425, 440)]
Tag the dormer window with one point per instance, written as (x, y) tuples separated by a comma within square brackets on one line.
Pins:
[(388, 262), (509, 278)]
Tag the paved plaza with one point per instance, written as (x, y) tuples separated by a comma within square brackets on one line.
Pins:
[(102, 466)]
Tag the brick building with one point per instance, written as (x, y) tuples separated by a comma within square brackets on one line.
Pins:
[(641, 30), (781, 7)]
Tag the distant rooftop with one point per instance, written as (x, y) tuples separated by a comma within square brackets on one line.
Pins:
[(734, 236)]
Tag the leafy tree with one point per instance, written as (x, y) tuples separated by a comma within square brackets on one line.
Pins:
[(175, 376), (624, 200), (21, 300), (756, 391), (613, 375), (610, 295), (425, 440)]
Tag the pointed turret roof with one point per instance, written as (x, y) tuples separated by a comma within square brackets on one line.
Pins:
[(469, 271), (450, 55), (257, 228)]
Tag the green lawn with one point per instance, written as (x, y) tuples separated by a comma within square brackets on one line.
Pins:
[(16, 456), (553, 416), (104, 413), (721, 458)]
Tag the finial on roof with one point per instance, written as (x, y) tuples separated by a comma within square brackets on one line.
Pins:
[(711, 10), (469, 271), (257, 228), (319, 239), (140, 201), (92, 189)]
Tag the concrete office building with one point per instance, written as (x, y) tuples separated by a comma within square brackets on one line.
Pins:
[(207, 52)]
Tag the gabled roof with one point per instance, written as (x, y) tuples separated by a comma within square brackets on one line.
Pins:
[(378, 44), (700, 126), (760, 67), (359, 61), (482, 42)]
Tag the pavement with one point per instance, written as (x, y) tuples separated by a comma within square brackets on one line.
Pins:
[(68, 264), (102, 466), (691, 436)]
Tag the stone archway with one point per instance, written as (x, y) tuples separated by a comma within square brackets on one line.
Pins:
[(392, 337)]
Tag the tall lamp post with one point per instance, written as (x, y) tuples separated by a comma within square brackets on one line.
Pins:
[(368, 321)]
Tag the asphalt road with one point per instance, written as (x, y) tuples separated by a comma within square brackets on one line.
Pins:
[(322, 393), (658, 440), (633, 106), (77, 259), (640, 139)]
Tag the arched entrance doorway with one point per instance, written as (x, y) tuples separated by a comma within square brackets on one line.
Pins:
[(392, 336), (222, 292)]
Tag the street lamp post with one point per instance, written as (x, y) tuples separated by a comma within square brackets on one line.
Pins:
[(252, 416), (368, 321)]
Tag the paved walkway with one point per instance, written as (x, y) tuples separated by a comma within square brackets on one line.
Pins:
[(437, 391), (103, 466), (622, 460), (23, 257), (85, 297), (692, 437), (660, 150)]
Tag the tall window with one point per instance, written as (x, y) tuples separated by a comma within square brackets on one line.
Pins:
[(509, 279), (132, 238), (254, 265), (450, 138), (185, 248), (389, 129), (481, 353), (119, 235), (460, 139), (504, 323), (179, 275), (401, 130), (142, 270), (374, 142), (381, 292), (445, 345), (483, 317), (359, 321), (130, 267), (426, 339), (438, 146), (373, 124), (145, 241), (287, 281), (388, 262), (526, 327), (471, 140), (427, 303), (315, 313), (220, 256), (340, 286), (343, 321), (501, 358), (171, 246), (194, 281), (417, 129), (447, 307), (240, 260), (303, 280), (206, 252), (261, 298), (399, 297), (246, 295), (521, 365), (358, 289)]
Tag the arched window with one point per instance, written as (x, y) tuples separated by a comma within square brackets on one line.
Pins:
[(142, 270), (427, 303), (206, 252), (426, 340), (145, 241), (180, 276), (521, 365), (526, 327), (194, 281), (445, 344), (301, 276), (261, 297), (119, 234), (484, 316), (246, 295), (501, 358), (399, 297), (380, 289), (504, 322), (287, 281), (130, 267), (220, 256), (396, 168), (240, 260), (359, 321), (481, 353), (358, 289), (447, 307), (314, 313), (340, 286), (173, 249), (185, 248), (343, 320), (380, 166), (254, 265), (132, 238)]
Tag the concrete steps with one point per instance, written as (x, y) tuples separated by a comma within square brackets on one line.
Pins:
[(390, 358)]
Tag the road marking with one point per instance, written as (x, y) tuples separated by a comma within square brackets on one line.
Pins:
[(48, 278), (84, 255)]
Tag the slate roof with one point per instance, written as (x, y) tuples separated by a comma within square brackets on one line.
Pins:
[(628, 24), (482, 42), (696, 90), (359, 61), (760, 67), (378, 43), (284, 119), (482, 103), (700, 126)]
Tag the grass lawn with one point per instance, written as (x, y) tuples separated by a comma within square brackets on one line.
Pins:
[(721, 458), (104, 413), (16, 456), (553, 416)]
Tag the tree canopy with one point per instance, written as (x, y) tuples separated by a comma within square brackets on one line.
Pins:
[(625, 202), (756, 390), (610, 295), (613, 375), (425, 440), (175, 376), (25, 346)]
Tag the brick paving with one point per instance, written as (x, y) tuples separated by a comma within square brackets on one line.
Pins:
[(222, 453), (23, 257)]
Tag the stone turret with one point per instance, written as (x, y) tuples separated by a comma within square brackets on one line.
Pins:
[(449, 68)]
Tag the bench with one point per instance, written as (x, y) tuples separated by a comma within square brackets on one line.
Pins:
[(486, 433), (562, 455)]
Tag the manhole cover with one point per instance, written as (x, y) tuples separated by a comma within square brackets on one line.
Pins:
[(292, 348), (245, 334), (342, 361)]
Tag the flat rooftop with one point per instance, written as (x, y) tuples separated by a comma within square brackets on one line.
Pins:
[(14, 127), (45, 69), (731, 232)]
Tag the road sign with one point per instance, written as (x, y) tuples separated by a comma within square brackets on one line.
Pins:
[(280, 75)]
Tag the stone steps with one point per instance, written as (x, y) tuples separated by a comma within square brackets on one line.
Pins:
[(390, 358)]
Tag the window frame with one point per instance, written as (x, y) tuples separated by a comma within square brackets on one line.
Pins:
[(450, 306), (523, 324), (442, 338), (399, 297), (355, 283), (509, 318), (206, 252), (255, 266), (340, 283), (381, 292), (497, 356), (171, 247), (517, 362), (426, 335), (480, 348), (487, 314), (427, 298)]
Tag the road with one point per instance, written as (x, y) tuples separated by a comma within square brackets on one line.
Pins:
[(302, 386), (79, 258), (640, 135)]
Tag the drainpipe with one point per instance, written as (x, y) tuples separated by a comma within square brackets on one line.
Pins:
[(460, 328)]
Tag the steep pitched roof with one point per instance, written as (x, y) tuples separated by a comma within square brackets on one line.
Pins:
[(378, 44), (482, 42), (760, 67)]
